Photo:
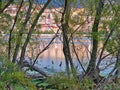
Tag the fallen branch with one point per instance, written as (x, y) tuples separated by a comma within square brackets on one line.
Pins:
[(26, 64)]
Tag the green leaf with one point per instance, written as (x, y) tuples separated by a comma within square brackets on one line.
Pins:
[(44, 84)]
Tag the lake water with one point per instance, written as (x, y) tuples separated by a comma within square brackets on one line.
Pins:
[(52, 60)]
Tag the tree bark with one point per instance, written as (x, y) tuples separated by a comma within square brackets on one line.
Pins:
[(65, 28), (91, 67), (30, 32), (21, 32), (26, 64), (10, 37)]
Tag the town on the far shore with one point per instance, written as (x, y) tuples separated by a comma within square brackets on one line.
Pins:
[(47, 22)]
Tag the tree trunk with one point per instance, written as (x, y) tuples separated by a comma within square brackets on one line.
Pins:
[(10, 37), (30, 32), (91, 67), (65, 28), (21, 32)]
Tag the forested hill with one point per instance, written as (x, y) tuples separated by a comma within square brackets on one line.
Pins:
[(54, 3), (57, 3)]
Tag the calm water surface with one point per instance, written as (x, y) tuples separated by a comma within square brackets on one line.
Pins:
[(52, 60)]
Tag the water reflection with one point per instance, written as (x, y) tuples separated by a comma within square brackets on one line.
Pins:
[(53, 57)]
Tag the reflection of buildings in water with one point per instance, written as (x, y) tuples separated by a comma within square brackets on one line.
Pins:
[(82, 51), (55, 52)]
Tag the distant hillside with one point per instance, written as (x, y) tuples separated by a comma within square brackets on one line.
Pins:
[(54, 3), (57, 3)]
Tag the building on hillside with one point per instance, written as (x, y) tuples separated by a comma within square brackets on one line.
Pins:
[(47, 21)]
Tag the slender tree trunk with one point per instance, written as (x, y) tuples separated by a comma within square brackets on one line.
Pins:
[(30, 32), (21, 32), (65, 28), (10, 37), (92, 63)]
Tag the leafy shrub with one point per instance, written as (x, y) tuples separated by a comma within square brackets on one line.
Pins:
[(63, 82), (12, 76), (112, 86)]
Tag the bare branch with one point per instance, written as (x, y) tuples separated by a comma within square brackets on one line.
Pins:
[(35, 68), (8, 4), (105, 43), (10, 37), (77, 56), (45, 48)]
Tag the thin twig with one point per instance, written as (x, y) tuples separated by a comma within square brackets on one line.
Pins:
[(7, 5), (77, 55), (10, 37), (45, 48)]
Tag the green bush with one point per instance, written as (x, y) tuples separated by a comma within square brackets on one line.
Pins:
[(61, 81), (112, 86), (12, 76)]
